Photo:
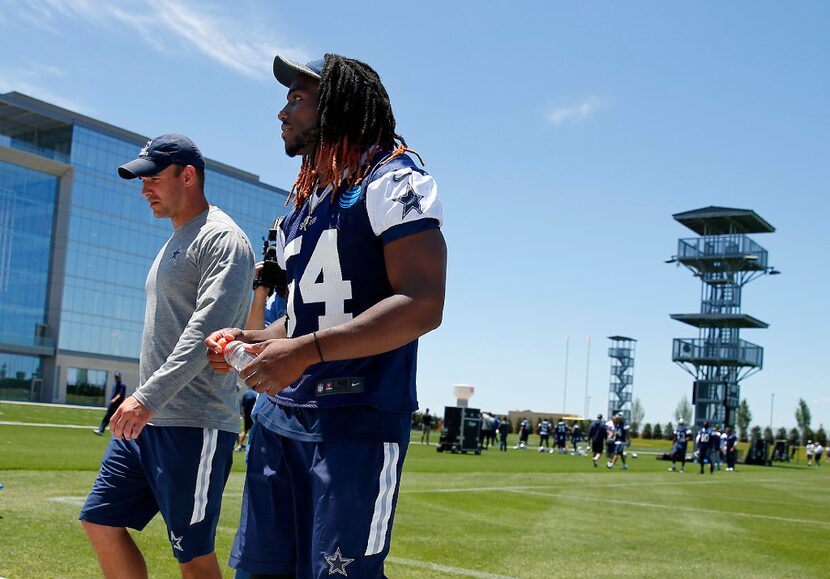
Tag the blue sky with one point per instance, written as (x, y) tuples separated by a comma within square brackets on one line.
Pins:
[(563, 136)]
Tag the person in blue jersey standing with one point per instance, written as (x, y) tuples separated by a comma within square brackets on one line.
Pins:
[(561, 436), (576, 436), (504, 430), (597, 435), (172, 444), (621, 435), (703, 446), (680, 444), (730, 449), (119, 393), (365, 262), (544, 434)]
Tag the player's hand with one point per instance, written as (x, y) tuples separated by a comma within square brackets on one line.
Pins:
[(130, 419), (278, 363), (214, 346)]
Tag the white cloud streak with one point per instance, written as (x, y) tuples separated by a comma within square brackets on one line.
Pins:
[(36, 90), (822, 401), (574, 114), (242, 47)]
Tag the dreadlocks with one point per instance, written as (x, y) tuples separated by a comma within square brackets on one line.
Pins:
[(354, 115)]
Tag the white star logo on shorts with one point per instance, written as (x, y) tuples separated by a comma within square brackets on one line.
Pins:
[(176, 542), (337, 563)]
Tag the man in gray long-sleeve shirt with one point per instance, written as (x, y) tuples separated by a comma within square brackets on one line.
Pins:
[(181, 423)]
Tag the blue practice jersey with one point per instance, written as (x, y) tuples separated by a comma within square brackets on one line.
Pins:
[(332, 251), (621, 432), (704, 439), (681, 439), (544, 428)]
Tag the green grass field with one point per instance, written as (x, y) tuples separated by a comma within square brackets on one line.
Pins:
[(515, 514)]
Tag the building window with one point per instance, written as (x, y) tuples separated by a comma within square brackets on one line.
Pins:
[(86, 387), (20, 377)]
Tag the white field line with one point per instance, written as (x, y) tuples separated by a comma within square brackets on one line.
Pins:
[(46, 425), (529, 488), (51, 405), (571, 485), (446, 569), (677, 508)]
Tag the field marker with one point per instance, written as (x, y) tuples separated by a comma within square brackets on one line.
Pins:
[(446, 569), (75, 501)]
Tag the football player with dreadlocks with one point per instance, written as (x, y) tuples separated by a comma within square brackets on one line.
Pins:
[(366, 265)]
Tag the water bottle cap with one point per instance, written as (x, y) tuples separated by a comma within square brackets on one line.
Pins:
[(222, 342)]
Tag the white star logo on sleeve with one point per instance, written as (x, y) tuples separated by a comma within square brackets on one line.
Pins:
[(337, 563)]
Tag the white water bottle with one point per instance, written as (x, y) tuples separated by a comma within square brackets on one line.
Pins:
[(238, 358)]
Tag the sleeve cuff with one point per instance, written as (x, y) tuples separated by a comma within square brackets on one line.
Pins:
[(409, 228)]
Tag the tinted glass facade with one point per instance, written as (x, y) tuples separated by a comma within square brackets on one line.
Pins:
[(27, 211), (100, 231)]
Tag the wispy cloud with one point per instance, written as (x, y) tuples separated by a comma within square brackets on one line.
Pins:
[(822, 401), (243, 47), (574, 114), (33, 78), (35, 87)]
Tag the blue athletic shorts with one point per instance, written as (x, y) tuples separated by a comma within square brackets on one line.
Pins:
[(317, 508), (180, 471)]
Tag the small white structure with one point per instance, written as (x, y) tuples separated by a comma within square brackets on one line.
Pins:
[(462, 393)]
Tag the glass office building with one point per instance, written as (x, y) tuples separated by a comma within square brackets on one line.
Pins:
[(76, 242)]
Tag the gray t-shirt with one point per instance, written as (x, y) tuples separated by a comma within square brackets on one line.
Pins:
[(199, 282)]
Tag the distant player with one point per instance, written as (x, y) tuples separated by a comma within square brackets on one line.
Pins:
[(576, 435), (610, 429), (730, 449), (715, 444), (544, 434), (119, 393), (703, 445), (426, 424), (680, 439), (561, 434), (246, 407), (597, 436), (524, 433), (819, 450), (810, 449), (504, 430), (621, 431)]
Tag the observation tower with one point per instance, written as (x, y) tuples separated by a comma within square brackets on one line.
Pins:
[(725, 259), (621, 387)]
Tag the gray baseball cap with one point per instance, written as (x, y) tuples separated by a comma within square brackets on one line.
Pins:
[(286, 70)]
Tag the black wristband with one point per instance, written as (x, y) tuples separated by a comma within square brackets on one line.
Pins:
[(317, 345)]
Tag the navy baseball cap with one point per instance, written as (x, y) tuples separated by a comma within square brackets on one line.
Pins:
[(160, 153), (286, 70)]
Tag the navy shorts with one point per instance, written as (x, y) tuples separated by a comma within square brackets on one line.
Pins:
[(317, 508), (619, 447), (176, 470)]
